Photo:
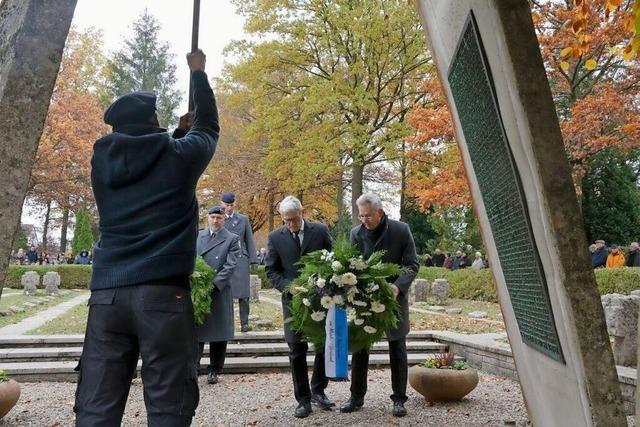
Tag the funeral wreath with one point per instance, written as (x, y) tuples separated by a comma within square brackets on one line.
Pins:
[(201, 290), (344, 279)]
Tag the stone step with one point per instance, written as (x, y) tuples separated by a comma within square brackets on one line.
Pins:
[(41, 341), (64, 371), (247, 349)]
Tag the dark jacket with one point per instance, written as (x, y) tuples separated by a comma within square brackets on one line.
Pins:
[(599, 257), (438, 260), (397, 242), (221, 254), (144, 184), (282, 256), (239, 224), (32, 256), (633, 259)]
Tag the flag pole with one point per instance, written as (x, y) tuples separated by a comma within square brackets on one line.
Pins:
[(195, 29)]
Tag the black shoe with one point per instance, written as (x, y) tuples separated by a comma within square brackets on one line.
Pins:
[(303, 410), (322, 401), (399, 409), (212, 378), (352, 405), (245, 328)]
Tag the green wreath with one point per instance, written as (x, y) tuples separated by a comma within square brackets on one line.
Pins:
[(201, 289)]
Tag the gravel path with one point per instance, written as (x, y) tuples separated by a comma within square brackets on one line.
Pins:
[(267, 400)]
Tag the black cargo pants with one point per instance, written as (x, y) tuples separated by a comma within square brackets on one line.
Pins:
[(155, 321)]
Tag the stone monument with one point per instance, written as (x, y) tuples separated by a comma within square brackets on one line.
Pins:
[(621, 314), (489, 63), (440, 290), (422, 290), (51, 282), (255, 284), (30, 281)]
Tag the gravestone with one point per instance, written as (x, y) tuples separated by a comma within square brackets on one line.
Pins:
[(30, 281), (422, 290), (488, 60), (440, 290), (51, 282), (32, 37), (255, 284), (621, 314)]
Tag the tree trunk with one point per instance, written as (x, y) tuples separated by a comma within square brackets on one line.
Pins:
[(29, 64), (403, 185), (270, 203), (63, 230), (357, 178), (45, 229), (340, 199)]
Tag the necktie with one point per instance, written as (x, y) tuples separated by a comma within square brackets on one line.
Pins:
[(296, 239)]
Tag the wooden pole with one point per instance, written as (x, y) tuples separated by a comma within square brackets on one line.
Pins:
[(195, 30)]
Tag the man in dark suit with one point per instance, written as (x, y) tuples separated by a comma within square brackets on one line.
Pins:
[(220, 249), (285, 246), (239, 224), (380, 233)]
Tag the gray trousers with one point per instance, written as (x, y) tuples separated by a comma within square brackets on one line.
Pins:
[(243, 305)]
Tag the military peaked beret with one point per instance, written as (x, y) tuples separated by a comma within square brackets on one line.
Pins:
[(134, 108), (216, 210), (228, 197)]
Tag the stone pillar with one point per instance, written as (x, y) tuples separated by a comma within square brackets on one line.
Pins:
[(422, 290), (621, 314), (255, 284), (30, 281), (51, 282), (32, 37)]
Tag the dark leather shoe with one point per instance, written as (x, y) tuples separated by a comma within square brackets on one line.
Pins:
[(245, 328), (303, 410), (399, 409), (352, 405), (322, 401), (212, 378)]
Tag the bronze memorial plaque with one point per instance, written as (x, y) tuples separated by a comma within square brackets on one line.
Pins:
[(475, 99)]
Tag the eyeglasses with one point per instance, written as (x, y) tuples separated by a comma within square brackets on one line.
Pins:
[(292, 220)]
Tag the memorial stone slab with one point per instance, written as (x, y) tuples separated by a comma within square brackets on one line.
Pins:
[(440, 290), (488, 60), (30, 281), (478, 315), (51, 282), (621, 314), (453, 311), (422, 289), (255, 284)]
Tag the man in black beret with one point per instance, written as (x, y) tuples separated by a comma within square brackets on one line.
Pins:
[(239, 224), (144, 184)]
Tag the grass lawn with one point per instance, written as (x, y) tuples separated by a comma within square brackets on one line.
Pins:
[(467, 306), (18, 317), (73, 321), (264, 311), (462, 324)]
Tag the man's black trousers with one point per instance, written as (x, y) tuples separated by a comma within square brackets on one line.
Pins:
[(243, 306), (217, 355), (300, 372), (398, 361), (155, 321)]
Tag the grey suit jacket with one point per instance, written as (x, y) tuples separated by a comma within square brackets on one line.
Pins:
[(239, 224), (282, 256), (397, 242), (220, 253)]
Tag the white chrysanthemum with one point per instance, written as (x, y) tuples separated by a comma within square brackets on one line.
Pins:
[(349, 279), (338, 300), (326, 302), (377, 307), (306, 302), (357, 264), (337, 280), (318, 316), (360, 303), (335, 265), (358, 322), (370, 329), (365, 313), (321, 282)]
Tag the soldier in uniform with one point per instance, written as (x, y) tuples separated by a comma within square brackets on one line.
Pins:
[(220, 249), (144, 183), (286, 245), (239, 224)]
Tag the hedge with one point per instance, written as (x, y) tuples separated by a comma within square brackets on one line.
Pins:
[(72, 276), (259, 271), (478, 285)]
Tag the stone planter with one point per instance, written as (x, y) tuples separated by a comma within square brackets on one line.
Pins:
[(438, 385), (9, 394)]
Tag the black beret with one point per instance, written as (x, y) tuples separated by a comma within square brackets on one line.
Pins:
[(216, 210), (137, 107), (228, 197)]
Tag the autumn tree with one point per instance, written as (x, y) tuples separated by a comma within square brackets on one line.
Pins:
[(331, 85), (145, 63), (60, 178)]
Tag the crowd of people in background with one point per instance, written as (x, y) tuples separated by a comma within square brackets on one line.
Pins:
[(455, 261), (614, 256), (34, 257)]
